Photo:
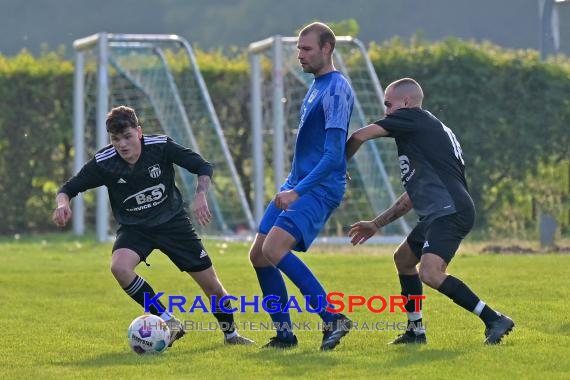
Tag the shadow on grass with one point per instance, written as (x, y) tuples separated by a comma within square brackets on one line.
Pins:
[(555, 329), (129, 358), (295, 361), (112, 359), (418, 355)]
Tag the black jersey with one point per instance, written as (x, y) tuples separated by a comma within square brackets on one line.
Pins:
[(144, 194), (431, 162)]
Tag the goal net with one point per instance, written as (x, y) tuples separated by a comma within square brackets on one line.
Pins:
[(158, 76)]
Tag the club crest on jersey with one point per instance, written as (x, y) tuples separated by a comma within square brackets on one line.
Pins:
[(313, 95), (154, 171)]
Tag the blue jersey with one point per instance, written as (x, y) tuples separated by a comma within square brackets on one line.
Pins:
[(319, 163)]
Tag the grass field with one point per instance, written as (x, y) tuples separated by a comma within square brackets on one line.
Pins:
[(63, 316)]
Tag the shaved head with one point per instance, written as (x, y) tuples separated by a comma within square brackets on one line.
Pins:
[(407, 88), (403, 93)]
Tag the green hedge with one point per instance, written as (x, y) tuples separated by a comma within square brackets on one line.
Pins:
[(511, 113), (509, 110)]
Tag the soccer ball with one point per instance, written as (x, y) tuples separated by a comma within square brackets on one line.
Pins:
[(149, 334)]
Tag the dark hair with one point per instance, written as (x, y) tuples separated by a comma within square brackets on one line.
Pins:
[(121, 118), (325, 33)]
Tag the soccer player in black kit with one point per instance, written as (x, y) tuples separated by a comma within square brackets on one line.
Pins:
[(138, 171), (432, 172)]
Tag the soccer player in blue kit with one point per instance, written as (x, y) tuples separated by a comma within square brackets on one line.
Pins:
[(314, 188), (433, 174)]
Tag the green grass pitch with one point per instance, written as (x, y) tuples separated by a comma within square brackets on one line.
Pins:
[(64, 316)]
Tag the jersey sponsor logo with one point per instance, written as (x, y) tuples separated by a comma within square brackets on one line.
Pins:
[(154, 171), (405, 173), (121, 180), (203, 254), (147, 198)]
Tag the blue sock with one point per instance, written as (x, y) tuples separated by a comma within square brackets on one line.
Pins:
[(271, 282), (307, 283)]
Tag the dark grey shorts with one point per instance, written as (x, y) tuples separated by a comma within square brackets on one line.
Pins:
[(176, 238), (443, 235)]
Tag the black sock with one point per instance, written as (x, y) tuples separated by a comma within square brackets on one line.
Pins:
[(226, 320), (488, 314), (412, 286), (464, 297), (136, 291)]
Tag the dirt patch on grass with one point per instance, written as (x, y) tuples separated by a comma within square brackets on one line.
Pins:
[(517, 249)]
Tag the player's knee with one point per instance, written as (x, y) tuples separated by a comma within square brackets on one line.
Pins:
[(403, 262), (120, 271), (214, 289), (270, 254), (256, 256), (255, 253), (398, 259), (267, 251), (430, 275)]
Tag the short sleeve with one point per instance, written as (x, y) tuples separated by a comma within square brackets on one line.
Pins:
[(337, 104), (399, 123)]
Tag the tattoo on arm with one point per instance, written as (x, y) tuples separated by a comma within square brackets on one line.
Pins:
[(402, 206), (203, 184)]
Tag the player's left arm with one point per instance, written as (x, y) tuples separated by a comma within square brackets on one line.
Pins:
[(200, 204), (188, 159), (332, 157), (337, 105), (361, 231), (362, 135), (194, 163)]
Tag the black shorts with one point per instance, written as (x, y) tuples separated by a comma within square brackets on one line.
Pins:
[(441, 236), (176, 238)]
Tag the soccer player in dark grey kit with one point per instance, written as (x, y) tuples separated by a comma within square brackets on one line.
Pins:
[(138, 171), (432, 172)]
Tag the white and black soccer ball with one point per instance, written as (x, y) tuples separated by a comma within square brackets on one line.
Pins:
[(149, 334)]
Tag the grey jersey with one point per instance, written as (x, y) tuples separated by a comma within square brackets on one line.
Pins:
[(431, 162)]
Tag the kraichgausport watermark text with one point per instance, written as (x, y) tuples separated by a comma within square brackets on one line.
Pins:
[(334, 302), (192, 325)]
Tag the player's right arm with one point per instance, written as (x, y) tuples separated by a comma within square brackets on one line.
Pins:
[(365, 229), (62, 213), (88, 177), (362, 135)]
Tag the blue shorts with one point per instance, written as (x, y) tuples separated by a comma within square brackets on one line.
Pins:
[(304, 219)]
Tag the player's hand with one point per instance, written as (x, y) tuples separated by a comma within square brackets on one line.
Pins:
[(61, 215), (362, 231), (285, 198), (201, 210)]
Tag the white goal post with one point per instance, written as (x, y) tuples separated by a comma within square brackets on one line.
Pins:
[(159, 76)]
